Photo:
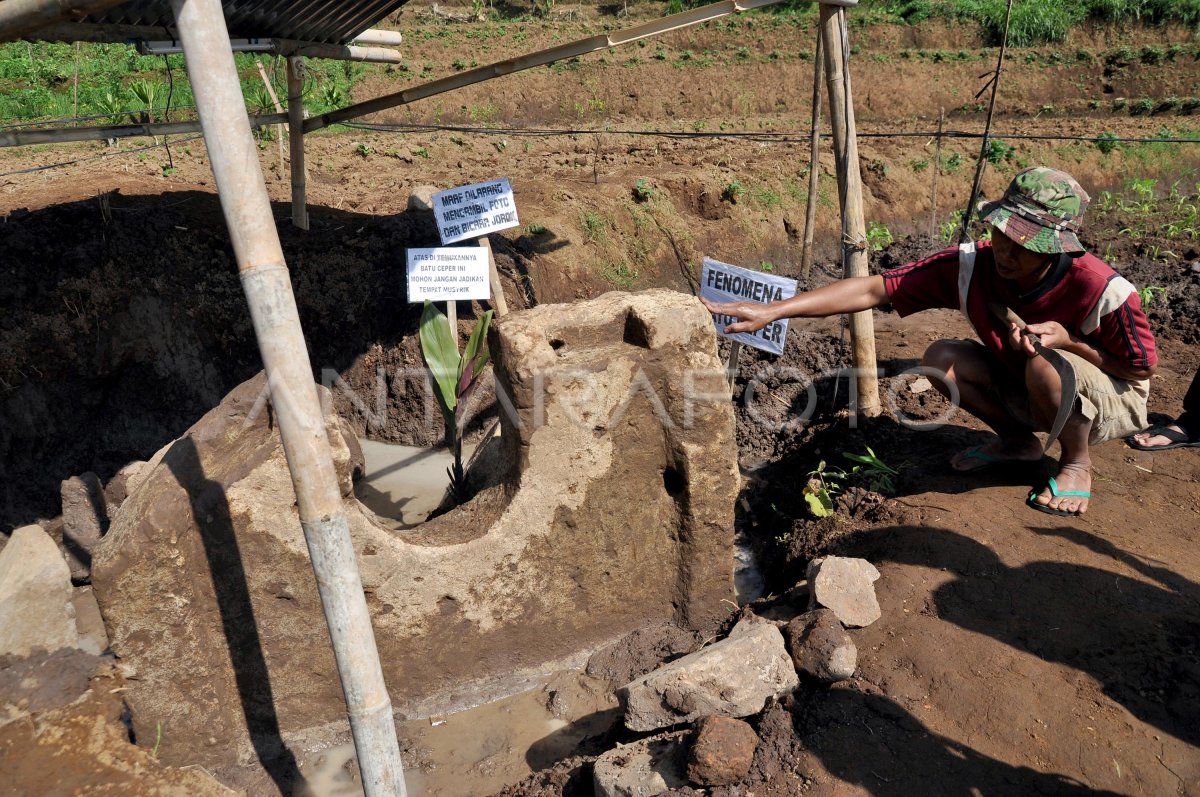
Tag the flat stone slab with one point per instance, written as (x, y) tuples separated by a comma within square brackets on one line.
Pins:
[(847, 587), (731, 678)]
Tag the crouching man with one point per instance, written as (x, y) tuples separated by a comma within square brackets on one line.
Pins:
[(1074, 302)]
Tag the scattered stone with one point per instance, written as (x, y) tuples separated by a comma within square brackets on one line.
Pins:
[(421, 197), (93, 638), (35, 595), (846, 586), (722, 752), (639, 652), (920, 385), (42, 682), (642, 769), (820, 646), (731, 678), (85, 519)]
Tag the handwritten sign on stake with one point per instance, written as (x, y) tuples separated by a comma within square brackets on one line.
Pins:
[(474, 210), (721, 282), (447, 274)]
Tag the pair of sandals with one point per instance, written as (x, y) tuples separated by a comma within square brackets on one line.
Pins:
[(986, 461)]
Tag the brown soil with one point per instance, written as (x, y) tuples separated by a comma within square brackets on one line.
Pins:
[(1018, 653)]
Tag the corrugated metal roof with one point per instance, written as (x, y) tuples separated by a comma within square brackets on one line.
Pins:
[(331, 21)]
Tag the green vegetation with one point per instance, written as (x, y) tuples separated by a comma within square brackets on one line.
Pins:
[(824, 483), (1106, 142), (593, 226), (454, 377), (643, 191), (1148, 293), (879, 237), (619, 274), (115, 81)]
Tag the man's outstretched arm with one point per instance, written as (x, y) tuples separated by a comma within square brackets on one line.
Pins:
[(844, 296)]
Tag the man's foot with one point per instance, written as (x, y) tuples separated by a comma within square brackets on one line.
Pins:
[(1000, 451), (1067, 493), (1162, 438)]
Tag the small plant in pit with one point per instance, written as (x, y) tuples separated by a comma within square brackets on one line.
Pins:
[(454, 377), (534, 228), (733, 191), (1147, 294), (823, 484), (643, 191), (767, 266), (879, 237), (363, 150)]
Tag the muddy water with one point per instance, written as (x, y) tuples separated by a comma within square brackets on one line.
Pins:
[(481, 750), (403, 484)]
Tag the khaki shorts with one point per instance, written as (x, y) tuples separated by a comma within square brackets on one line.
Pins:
[(1116, 407)]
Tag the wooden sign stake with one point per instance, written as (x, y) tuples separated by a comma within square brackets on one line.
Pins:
[(499, 303)]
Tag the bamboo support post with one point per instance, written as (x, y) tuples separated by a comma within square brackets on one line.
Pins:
[(733, 363), (810, 213), (266, 282), (452, 319), (278, 109), (854, 236), (295, 84), (499, 303), (937, 170)]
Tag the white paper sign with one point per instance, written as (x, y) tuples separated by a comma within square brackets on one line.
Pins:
[(473, 211), (721, 282), (447, 274)]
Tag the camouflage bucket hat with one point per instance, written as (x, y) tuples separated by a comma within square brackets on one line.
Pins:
[(1041, 211)]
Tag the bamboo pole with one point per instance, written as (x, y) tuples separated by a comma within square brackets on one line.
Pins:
[(854, 235), (262, 72), (295, 85), (21, 138), (810, 213), (267, 284), (21, 17), (381, 38), (573, 49), (937, 170)]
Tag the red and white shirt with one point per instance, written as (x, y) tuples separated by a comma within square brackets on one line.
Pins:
[(1082, 293)]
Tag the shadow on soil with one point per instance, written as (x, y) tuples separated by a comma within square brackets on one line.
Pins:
[(1139, 640)]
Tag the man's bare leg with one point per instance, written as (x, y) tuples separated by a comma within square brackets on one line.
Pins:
[(1075, 464), (965, 364)]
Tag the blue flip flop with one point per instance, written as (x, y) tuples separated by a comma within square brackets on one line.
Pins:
[(1055, 493), (986, 461)]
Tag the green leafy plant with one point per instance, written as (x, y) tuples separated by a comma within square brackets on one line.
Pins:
[(363, 150), (620, 274), (879, 237), (767, 266), (643, 191), (875, 474), (1106, 142), (454, 376), (823, 484), (1148, 293), (998, 151), (733, 191), (593, 225)]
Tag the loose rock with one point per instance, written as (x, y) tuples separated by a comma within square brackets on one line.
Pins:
[(732, 678), (820, 646), (846, 586), (642, 769), (722, 752), (85, 519), (35, 595), (421, 197)]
